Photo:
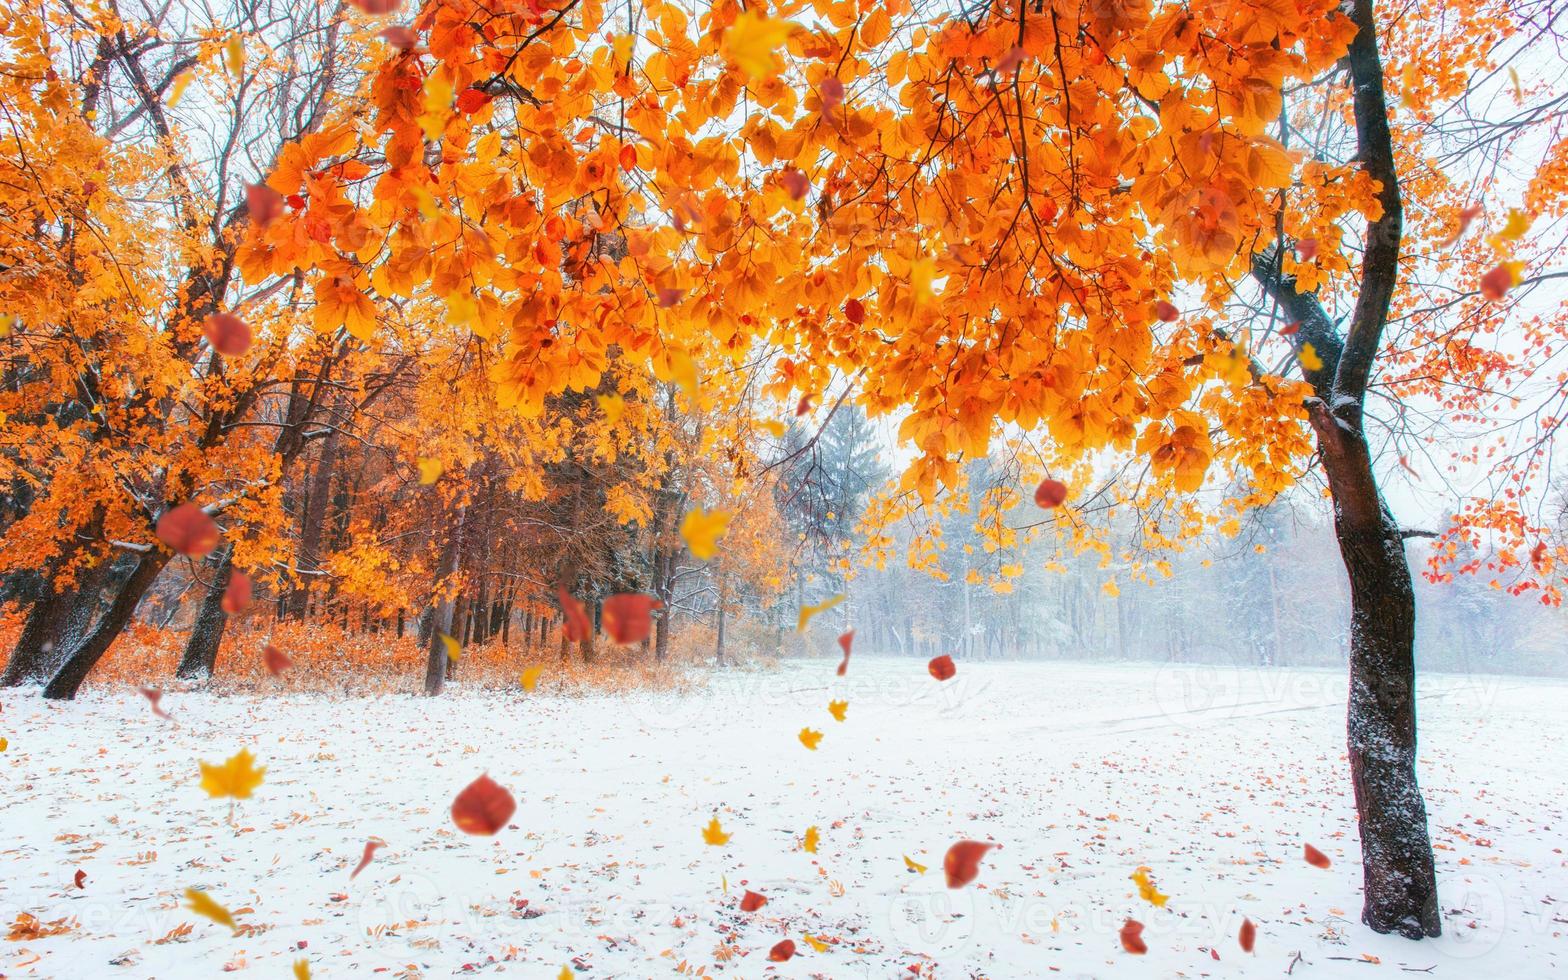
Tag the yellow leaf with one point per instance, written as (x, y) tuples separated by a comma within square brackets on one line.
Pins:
[(751, 41), (203, 905), (234, 55), (806, 612), (4, 745), (453, 648), (810, 738), (714, 834), (683, 371), (916, 867), (1513, 229), (837, 709), (301, 970), (1308, 356), (531, 677), (430, 470), (236, 777), (177, 89), (1146, 889), (612, 406), (1111, 588), (565, 974), (813, 838), (701, 530), (814, 942), (774, 428)]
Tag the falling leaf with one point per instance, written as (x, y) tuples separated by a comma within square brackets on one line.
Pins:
[(814, 942), (264, 204), (807, 402), (844, 641), (401, 38), (204, 906), (429, 470), (752, 901), (236, 595), (838, 709), (227, 333), (714, 834), (813, 838), (471, 100), (1146, 889), (234, 55), (1308, 356), (1050, 493), (795, 183), (701, 530), (831, 91), (1514, 228), (613, 407), (81, 878), (301, 970), (751, 42), (378, 7), (566, 974), (1315, 857), (454, 649), (1110, 588), (961, 864), (177, 89), (1496, 283), (530, 677), (1010, 60), (575, 622), (667, 298), (806, 612), (1466, 216), (235, 778), (1248, 935), (371, 846), (855, 311), (187, 530), (1167, 311), (275, 660), (782, 951), (4, 744), (1290, 329), (627, 617), (942, 667), (1307, 249), (810, 738), (1132, 938), (483, 807), (153, 695), (914, 866), (1538, 556)]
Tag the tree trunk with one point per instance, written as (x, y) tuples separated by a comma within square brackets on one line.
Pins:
[(86, 654), (439, 615), (201, 650), (312, 524), (32, 659)]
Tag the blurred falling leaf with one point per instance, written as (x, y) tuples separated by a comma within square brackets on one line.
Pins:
[(942, 667), (453, 648), (806, 612), (430, 470), (1308, 356), (752, 901), (714, 834), (483, 807), (1132, 938), (844, 642), (613, 406), (751, 42), (1248, 935), (701, 530), (301, 970), (531, 677), (275, 660), (236, 778), (1146, 889), (153, 696), (782, 951), (814, 942), (1315, 857), (371, 846), (813, 837), (914, 866), (961, 863), (838, 709), (810, 738), (204, 906)]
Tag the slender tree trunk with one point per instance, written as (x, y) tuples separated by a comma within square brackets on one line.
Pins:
[(312, 525), (86, 654), (201, 649), (439, 615)]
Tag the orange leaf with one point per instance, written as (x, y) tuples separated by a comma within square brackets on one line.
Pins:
[(844, 641), (1315, 857), (1248, 935), (187, 530), (942, 667), (752, 901), (371, 846), (227, 333), (275, 660), (1132, 938), (782, 951), (962, 863), (1050, 493), (628, 616), (483, 807), (236, 597)]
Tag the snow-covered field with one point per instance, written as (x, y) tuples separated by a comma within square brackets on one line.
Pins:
[(1212, 778)]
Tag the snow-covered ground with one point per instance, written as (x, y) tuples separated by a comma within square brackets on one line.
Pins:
[(1212, 778)]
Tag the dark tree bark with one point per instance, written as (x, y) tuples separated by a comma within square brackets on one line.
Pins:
[(85, 655), (32, 659), (1400, 884), (201, 649), (312, 525)]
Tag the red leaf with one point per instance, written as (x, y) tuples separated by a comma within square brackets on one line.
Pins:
[(1132, 938), (81, 878), (400, 37), (1167, 312), (752, 901), (483, 807), (187, 530), (1496, 284), (796, 183), (1289, 329), (1214, 954), (855, 311), (236, 598), (669, 297), (296, 202), (1010, 60), (576, 624), (1307, 249), (276, 660), (264, 203), (153, 696), (1315, 857), (370, 851), (628, 157), (471, 100), (942, 667), (1248, 935), (832, 92), (806, 404), (1050, 493), (227, 333), (962, 863), (628, 616), (1538, 556), (377, 6), (844, 641), (1466, 216), (782, 951)]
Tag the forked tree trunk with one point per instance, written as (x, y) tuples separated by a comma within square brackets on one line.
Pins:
[(32, 659), (86, 654), (201, 649)]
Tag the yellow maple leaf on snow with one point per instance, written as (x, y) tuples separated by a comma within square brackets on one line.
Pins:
[(701, 530), (914, 866), (1146, 889), (806, 612), (714, 834), (813, 838), (202, 904), (751, 42), (302, 970), (838, 709), (814, 942), (236, 777), (810, 738)]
